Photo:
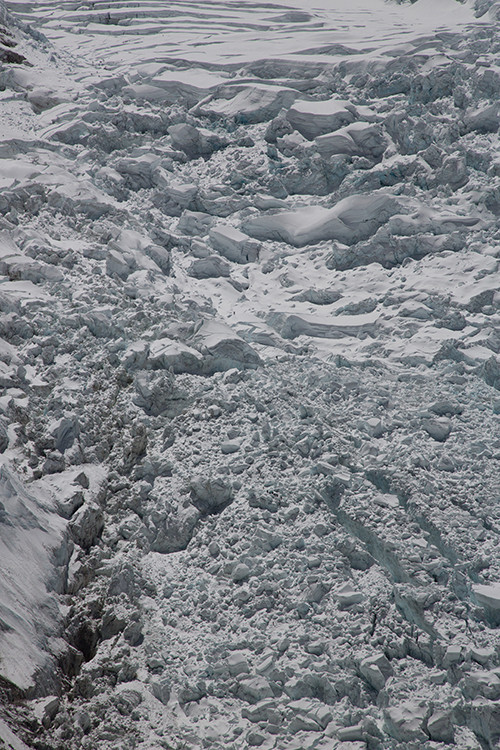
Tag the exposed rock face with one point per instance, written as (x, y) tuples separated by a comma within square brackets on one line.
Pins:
[(249, 375)]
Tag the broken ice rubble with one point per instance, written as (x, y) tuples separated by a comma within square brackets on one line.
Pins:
[(249, 369)]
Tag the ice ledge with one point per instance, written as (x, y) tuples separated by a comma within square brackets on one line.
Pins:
[(31, 532)]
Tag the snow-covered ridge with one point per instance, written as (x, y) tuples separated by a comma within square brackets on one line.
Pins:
[(249, 353)]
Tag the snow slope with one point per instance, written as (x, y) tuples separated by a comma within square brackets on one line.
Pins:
[(249, 353)]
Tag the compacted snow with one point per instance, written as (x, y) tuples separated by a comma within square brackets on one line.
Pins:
[(249, 360)]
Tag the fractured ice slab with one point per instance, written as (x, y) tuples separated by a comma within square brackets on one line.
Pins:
[(315, 118), (256, 103), (195, 141), (190, 85), (352, 219), (210, 494), (195, 223), (488, 595), (166, 353), (484, 119), (182, 193), (210, 267), (233, 244), (406, 721), (357, 139), (146, 92), (328, 327), (347, 595), (222, 348), (31, 531)]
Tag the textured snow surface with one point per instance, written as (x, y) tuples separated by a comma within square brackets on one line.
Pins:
[(250, 376)]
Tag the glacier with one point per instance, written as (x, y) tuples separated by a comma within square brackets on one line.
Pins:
[(250, 375)]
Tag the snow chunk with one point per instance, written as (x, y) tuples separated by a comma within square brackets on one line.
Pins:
[(439, 428), (240, 573), (195, 223), (156, 394), (86, 525), (313, 710), (43, 97), (182, 193), (376, 670), (483, 683), (440, 727), (238, 664), (139, 170), (71, 133), (64, 432), (161, 690), (174, 533), (145, 92)]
